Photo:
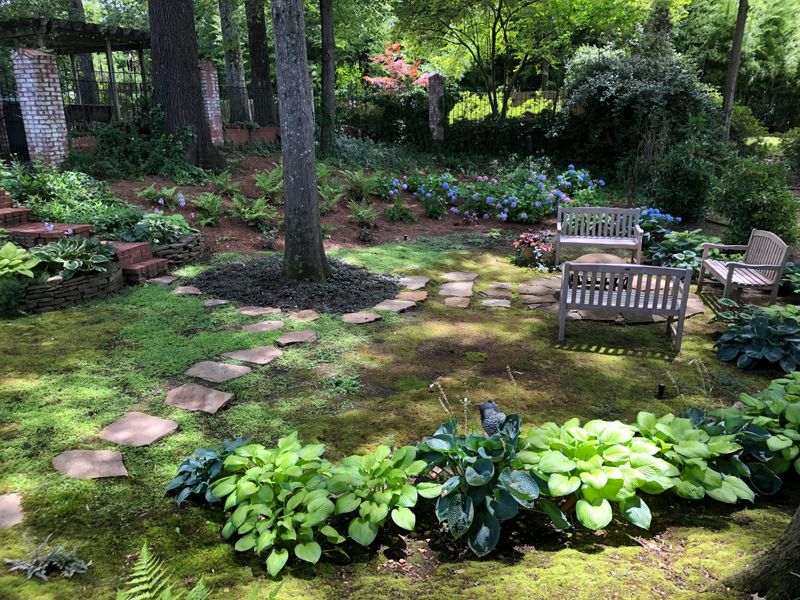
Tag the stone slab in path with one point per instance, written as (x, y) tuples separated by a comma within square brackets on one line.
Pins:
[(215, 302), (304, 316), (496, 303), (90, 464), (547, 299), (163, 280), (457, 302), (10, 510), (414, 282), (191, 396), (419, 296), (396, 306), (187, 290), (260, 355), (459, 276), (263, 326), (361, 317), (138, 429), (496, 293), (462, 289), (257, 311), (216, 372), (297, 337)]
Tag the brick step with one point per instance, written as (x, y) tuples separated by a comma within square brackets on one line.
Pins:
[(140, 272), (13, 216), (5, 199), (130, 253), (34, 234)]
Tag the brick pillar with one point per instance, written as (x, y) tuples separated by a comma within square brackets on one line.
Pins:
[(41, 104), (210, 85), (435, 116)]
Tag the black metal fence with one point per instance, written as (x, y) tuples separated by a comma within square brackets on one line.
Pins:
[(13, 143), (475, 106)]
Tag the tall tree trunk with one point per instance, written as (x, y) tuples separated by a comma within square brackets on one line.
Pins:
[(304, 256), (776, 575), (86, 86), (176, 77), (327, 130), (729, 91), (263, 95), (238, 98)]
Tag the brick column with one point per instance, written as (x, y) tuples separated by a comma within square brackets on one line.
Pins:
[(435, 116), (41, 104), (210, 85)]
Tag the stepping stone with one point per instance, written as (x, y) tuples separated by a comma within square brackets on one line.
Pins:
[(263, 326), (304, 316), (257, 311), (633, 319), (549, 298), (694, 305), (361, 317), (496, 293), (457, 302), (496, 303), (191, 396), (138, 429), (260, 355), (216, 372), (297, 337), (412, 296), (592, 315), (414, 282), (215, 302), (396, 306), (90, 464), (10, 510), (460, 276), (499, 286), (163, 280), (187, 290), (458, 288)]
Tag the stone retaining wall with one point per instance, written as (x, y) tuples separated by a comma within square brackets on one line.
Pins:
[(58, 293), (187, 249)]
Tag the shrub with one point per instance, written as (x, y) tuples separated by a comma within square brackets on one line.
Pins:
[(791, 148), (791, 277), (201, 469), (363, 213), (158, 229), (680, 249), (534, 250), (71, 256), (435, 193), (400, 212), (211, 209), (655, 225)]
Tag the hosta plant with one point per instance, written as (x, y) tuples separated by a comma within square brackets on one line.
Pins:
[(198, 471), (764, 338), (680, 249), (17, 261), (158, 229), (75, 255), (482, 482)]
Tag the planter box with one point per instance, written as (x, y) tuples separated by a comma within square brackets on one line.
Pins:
[(238, 136), (264, 135), (189, 248), (57, 293)]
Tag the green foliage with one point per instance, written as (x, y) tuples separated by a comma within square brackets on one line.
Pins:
[(12, 290), (198, 471), (791, 148), (680, 249), (44, 560), (73, 256), (759, 337), (363, 213), (163, 198), (222, 183), (483, 482), (211, 209), (149, 580), (270, 183), (791, 277), (257, 213), (655, 225), (359, 186), (16, 261), (398, 211), (331, 193), (158, 229)]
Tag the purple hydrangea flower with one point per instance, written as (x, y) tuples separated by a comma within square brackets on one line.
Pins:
[(49, 227), (537, 204), (161, 202), (485, 216), (181, 200), (69, 232), (475, 196), (192, 216), (523, 216), (513, 205), (542, 177), (405, 186)]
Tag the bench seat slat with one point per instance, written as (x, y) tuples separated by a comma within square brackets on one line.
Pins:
[(750, 277)]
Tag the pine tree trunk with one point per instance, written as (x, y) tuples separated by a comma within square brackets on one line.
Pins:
[(176, 77), (304, 256), (238, 98), (86, 85), (729, 91), (328, 126), (263, 94)]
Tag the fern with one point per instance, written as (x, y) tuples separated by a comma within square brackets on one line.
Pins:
[(360, 186), (324, 172), (271, 182), (149, 580)]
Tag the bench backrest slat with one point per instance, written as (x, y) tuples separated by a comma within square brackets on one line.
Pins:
[(766, 248), (598, 221)]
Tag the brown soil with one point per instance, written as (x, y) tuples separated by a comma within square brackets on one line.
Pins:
[(234, 235)]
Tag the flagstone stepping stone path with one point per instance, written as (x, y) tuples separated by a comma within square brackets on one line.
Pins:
[(304, 316), (459, 276), (187, 290), (215, 302), (263, 326), (361, 317), (10, 510), (462, 289), (216, 372), (396, 306), (414, 282), (192, 396), (496, 293), (257, 311), (260, 355), (90, 464), (457, 302), (138, 429), (420, 296), (299, 336), (496, 303), (163, 280)]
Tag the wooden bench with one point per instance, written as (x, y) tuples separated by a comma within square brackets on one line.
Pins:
[(599, 227), (626, 289), (762, 266)]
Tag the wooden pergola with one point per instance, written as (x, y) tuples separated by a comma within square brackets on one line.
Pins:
[(74, 38)]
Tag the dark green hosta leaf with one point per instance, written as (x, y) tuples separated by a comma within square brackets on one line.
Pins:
[(502, 505), (450, 485), (511, 426), (484, 534), (460, 515), (764, 479), (479, 473), (636, 511), (443, 508), (558, 518), (520, 485)]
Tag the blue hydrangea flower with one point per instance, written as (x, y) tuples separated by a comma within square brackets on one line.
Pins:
[(537, 204), (542, 177), (523, 216)]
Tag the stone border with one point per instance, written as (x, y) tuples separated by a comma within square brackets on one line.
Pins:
[(187, 249), (57, 293)]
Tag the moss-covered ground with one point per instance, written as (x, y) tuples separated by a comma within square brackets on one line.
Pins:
[(65, 375)]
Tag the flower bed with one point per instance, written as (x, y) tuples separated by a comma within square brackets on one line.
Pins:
[(185, 249), (57, 293)]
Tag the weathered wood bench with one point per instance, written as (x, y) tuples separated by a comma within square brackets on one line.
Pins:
[(599, 227), (762, 266), (626, 289)]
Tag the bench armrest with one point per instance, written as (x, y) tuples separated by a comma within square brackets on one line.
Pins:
[(639, 231), (709, 246)]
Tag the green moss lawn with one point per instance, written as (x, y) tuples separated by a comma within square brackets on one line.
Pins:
[(65, 375)]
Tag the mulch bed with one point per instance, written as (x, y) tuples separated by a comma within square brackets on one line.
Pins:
[(260, 282)]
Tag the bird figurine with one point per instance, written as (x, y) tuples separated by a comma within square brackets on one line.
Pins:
[(492, 418)]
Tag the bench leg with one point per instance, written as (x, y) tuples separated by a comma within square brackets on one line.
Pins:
[(679, 335), (562, 322), (773, 296), (701, 277), (558, 252)]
